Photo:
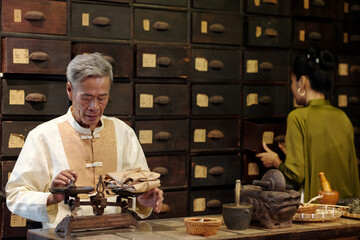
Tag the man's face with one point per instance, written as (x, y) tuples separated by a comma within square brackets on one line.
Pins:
[(89, 100)]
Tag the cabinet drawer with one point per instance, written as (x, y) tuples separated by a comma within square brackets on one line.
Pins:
[(120, 56), (307, 34), (315, 8), (280, 7), (21, 55), (160, 26), (36, 16), (207, 202), (163, 136), (100, 21), (120, 101), (253, 168), (216, 28), (14, 134), (179, 3), (175, 204), (172, 170), (213, 65), (228, 5), (348, 99), (255, 133), (266, 66), (211, 135), (356, 125), (19, 97), (268, 32), (216, 100), (154, 61), (348, 69), (6, 169), (265, 100), (161, 99), (349, 10), (215, 170), (349, 36)]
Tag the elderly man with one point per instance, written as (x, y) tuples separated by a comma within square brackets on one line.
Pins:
[(76, 147)]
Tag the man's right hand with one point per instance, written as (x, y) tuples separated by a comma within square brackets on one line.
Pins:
[(63, 179)]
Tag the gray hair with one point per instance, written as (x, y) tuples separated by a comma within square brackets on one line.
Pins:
[(87, 65)]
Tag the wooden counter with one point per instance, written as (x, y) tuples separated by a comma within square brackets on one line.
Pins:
[(173, 228)]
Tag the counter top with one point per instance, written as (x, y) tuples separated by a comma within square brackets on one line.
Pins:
[(174, 228)]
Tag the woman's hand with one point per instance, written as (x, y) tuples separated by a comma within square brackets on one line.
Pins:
[(63, 179), (269, 158), (152, 198)]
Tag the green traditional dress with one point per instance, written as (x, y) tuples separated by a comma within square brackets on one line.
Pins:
[(320, 138)]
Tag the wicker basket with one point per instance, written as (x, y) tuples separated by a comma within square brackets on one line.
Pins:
[(202, 226), (308, 209)]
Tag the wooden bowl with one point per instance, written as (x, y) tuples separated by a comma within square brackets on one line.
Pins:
[(329, 197), (202, 226)]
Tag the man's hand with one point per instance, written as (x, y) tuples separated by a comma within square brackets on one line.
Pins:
[(269, 158), (152, 198), (63, 179)]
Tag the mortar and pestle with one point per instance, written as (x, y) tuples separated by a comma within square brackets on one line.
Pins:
[(329, 196), (237, 216)]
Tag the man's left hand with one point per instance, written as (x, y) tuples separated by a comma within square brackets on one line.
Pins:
[(152, 198)]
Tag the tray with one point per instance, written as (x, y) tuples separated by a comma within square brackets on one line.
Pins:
[(323, 213), (350, 215)]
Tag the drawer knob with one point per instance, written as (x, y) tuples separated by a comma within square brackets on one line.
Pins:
[(214, 203), (270, 32), (217, 171), (355, 68), (355, 38), (101, 21), (165, 208), (216, 99), (318, 3), (356, 130), (162, 100), (354, 100), (163, 61), (161, 170), (110, 59), (271, 1), (217, 28), (216, 64), (35, 97), (355, 8), (39, 56), (34, 16), (265, 100), (215, 134), (279, 138), (162, 136), (315, 36), (161, 26), (267, 66)]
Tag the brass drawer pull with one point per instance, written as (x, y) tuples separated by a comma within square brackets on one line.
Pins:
[(318, 3), (39, 56), (35, 97), (214, 203), (35, 16), (162, 136), (216, 99), (315, 36), (162, 100), (215, 134), (217, 28), (101, 21), (354, 100), (265, 100), (270, 32), (161, 26), (110, 59), (163, 61), (355, 8), (165, 208), (161, 170), (271, 1), (356, 130), (355, 38), (355, 68), (217, 170), (267, 66), (216, 64), (279, 139)]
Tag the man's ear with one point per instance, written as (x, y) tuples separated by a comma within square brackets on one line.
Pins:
[(69, 90)]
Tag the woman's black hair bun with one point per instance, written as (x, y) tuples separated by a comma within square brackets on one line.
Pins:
[(325, 59)]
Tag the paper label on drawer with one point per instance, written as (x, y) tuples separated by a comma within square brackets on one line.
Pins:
[(200, 135), (85, 19), (200, 171), (17, 221), (346, 38), (346, 7), (258, 31), (149, 60), (253, 169), (202, 100), (306, 4), (204, 27), (252, 66), (146, 25), (145, 136), (9, 174), (146, 101), (252, 99), (199, 204), (257, 3), (342, 100), (16, 97), (17, 15), (20, 56), (343, 69), (201, 64), (268, 137), (302, 35), (16, 140)]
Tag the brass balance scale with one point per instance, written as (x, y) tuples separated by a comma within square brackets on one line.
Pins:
[(98, 203)]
